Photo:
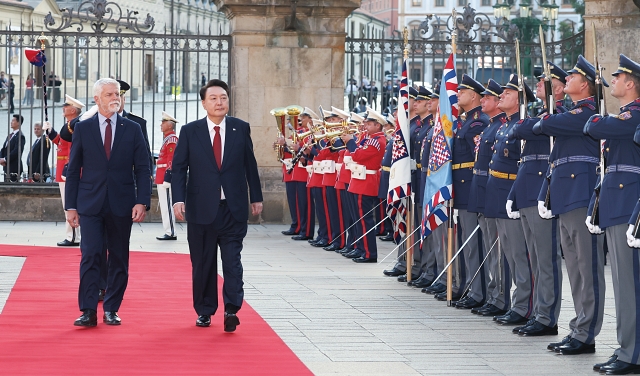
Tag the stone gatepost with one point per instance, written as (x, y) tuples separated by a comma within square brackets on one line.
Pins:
[(617, 25), (278, 60)]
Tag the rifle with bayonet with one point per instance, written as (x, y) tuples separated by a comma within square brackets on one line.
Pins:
[(522, 95), (550, 102), (601, 109)]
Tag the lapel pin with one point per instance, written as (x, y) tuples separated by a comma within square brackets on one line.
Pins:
[(233, 129)]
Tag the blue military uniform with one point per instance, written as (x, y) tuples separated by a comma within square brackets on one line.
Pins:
[(619, 191), (574, 161)]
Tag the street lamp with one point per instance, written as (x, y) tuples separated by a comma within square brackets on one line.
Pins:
[(501, 11), (550, 14), (525, 9)]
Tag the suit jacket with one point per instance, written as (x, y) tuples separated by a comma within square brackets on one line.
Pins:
[(39, 153), (201, 192), (12, 152), (102, 176)]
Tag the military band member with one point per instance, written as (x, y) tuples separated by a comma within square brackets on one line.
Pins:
[(465, 143), (618, 195), (71, 110), (365, 180), (499, 280), (541, 235), (574, 161), (503, 169), (304, 201), (163, 176)]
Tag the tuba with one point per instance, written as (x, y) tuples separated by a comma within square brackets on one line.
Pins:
[(280, 115)]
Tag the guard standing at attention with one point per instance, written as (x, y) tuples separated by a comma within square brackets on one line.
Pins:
[(163, 176)]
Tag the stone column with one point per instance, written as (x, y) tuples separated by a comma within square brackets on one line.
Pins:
[(617, 25), (273, 67)]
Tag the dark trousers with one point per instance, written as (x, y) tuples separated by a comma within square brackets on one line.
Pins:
[(335, 216), (366, 223), (324, 232), (227, 233), (352, 206), (294, 210), (306, 208), (115, 231), (346, 199)]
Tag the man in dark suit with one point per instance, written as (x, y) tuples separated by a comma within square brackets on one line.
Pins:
[(124, 87), (218, 154), (38, 160), (11, 152), (106, 148)]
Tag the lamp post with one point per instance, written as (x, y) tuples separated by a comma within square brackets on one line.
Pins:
[(550, 14), (501, 11)]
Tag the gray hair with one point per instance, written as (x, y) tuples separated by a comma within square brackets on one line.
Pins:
[(97, 87)]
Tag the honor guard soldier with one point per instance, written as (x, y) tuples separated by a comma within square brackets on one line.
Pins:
[(503, 169), (464, 146), (71, 110), (541, 235), (124, 87), (304, 201), (365, 180), (574, 161), (498, 299), (619, 191), (163, 175)]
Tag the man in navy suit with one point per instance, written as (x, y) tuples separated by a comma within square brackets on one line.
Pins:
[(106, 148), (218, 154), (11, 152)]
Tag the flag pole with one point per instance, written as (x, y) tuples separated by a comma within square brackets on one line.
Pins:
[(410, 208), (450, 221)]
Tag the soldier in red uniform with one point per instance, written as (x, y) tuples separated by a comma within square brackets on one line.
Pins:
[(365, 180), (163, 175), (71, 110)]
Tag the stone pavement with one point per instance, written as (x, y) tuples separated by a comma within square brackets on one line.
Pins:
[(345, 318)]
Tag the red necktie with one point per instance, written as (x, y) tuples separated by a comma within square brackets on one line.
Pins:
[(107, 139), (217, 147)]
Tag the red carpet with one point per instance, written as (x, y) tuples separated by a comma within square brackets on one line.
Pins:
[(158, 335)]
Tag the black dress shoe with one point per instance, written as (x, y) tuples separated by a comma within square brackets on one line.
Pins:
[(101, 295), (89, 318), (620, 368), (387, 238), (203, 321), (167, 237), (354, 254), (395, 272), (67, 243), (468, 304), (538, 329), (516, 330), (435, 289), (319, 244), (512, 318), (598, 366), (500, 317), (289, 232), (403, 278), (477, 310), (492, 311), (443, 296), (575, 347), (230, 322), (313, 240), (331, 247), (345, 250), (422, 283), (111, 318), (363, 259), (552, 346), (301, 237)]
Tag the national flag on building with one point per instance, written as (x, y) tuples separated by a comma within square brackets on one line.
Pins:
[(400, 172), (439, 183)]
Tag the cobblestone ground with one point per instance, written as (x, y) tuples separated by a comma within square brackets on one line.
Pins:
[(345, 318)]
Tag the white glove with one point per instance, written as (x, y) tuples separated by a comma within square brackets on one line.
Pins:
[(631, 240), (455, 216), (166, 184), (46, 126), (543, 211), (89, 113), (512, 214), (594, 229)]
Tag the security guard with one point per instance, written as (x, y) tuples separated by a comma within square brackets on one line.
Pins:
[(124, 87), (365, 180), (541, 235), (502, 173), (499, 283), (71, 110), (618, 194), (163, 175), (464, 145), (574, 161)]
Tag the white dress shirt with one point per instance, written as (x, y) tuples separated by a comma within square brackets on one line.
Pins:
[(212, 133)]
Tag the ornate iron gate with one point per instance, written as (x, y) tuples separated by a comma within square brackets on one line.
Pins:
[(165, 71), (485, 49)]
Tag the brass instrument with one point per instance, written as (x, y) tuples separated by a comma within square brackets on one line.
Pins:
[(280, 115), (294, 112)]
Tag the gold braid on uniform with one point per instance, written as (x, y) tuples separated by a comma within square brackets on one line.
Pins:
[(69, 127)]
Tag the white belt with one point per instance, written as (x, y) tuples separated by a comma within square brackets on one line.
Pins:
[(309, 169), (360, 172), (317, 167), (348, 159), (328, 166), (287, 163), (163, 165)]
